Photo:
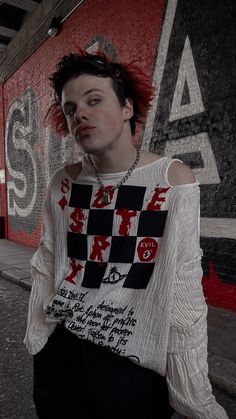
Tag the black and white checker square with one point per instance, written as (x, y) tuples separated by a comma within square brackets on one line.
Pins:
[(80, 196), (151, 223), (77, 246), (122, 249), (130, 197), (100, 222), (139, 275), (93, 274)]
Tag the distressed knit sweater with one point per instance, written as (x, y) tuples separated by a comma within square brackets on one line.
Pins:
[(126, 275)]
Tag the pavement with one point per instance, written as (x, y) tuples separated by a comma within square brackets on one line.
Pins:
[(15, 267)]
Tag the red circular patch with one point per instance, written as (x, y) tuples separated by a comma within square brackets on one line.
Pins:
[(147, 249)]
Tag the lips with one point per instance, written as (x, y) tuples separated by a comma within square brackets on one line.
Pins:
[(83, 130)]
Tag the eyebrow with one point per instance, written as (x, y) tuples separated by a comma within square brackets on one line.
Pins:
[(92, 90), (87, 92)]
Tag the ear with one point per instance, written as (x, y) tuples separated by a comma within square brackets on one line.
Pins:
[(128, 109)]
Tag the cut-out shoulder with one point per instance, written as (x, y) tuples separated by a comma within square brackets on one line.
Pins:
[(74, 170), (180, 174)]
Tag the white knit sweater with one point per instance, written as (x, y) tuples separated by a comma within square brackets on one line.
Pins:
[(127, 275)]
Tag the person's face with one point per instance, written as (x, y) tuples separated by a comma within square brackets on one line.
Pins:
[(94, 115)]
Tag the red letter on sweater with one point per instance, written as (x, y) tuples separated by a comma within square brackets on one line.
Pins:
[(78, 217), (125, 224), (157, 199), (100, 244)]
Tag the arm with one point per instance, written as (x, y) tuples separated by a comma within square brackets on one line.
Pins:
[(42, 268), (187, 366)]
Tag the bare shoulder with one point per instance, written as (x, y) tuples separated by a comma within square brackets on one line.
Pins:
[(180, 174), (74, 170)]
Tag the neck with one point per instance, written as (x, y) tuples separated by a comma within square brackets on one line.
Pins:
[(106, 194), (118, 161)]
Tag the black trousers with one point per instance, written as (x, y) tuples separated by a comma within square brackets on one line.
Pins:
[(77, 379)]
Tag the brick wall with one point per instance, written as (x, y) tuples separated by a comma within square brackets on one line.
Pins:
[(3, 221), (188, 46)]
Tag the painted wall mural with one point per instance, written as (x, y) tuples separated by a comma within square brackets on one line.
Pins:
[(188, 48), (29, 169), (193, 119), (22, 161)]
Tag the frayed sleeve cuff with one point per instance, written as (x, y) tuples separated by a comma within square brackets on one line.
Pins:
[(39, 328)]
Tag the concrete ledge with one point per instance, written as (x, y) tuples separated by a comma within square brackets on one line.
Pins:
[(14, 275), (26, 283)]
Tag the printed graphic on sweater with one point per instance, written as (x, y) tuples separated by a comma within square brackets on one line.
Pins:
[(118, 241), (104, 324), (109, 245)]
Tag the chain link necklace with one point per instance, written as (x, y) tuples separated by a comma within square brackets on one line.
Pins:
[(106, 197)]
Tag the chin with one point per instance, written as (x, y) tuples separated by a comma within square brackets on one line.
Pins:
[(84, 144), (88, 148)]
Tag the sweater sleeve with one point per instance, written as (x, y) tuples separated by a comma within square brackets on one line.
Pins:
[(187, 366), (43, 288)]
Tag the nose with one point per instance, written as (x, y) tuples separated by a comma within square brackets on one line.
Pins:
[(80, 114)]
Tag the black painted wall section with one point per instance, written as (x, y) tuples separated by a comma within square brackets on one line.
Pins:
[(211, 28), (222, 253)]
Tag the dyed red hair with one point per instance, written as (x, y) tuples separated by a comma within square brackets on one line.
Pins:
[(128, 81)]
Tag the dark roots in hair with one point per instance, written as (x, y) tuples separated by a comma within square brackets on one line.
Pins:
[(128, 81)]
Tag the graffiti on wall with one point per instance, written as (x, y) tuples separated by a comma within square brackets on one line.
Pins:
[(29, 170), (21, 159), (193, 119)]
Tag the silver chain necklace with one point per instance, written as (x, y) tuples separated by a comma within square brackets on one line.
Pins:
[(106, 197)]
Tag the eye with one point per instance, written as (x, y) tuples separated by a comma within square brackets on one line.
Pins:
[(69, 111), (94, 101)]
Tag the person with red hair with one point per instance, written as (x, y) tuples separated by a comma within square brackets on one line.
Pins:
[(117, 316)]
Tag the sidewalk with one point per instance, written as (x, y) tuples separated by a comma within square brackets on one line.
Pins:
[(14, 262), (14, 266)]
